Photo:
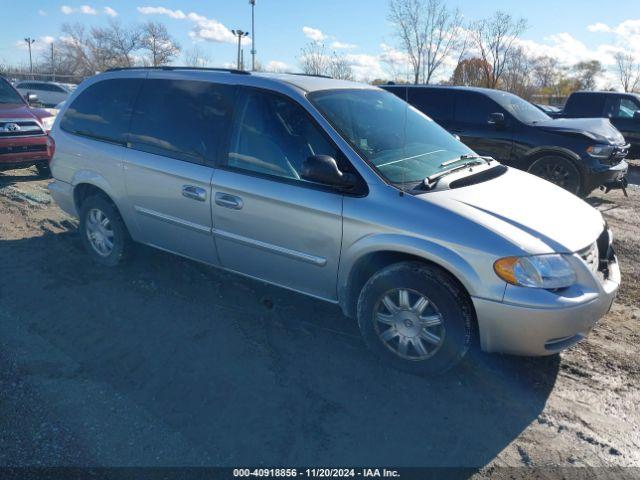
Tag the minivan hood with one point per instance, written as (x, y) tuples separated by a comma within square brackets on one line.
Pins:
[(598, 129), (533, 214)]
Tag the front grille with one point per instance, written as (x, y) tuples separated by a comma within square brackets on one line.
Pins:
[(19, 128), (599, 255), (591, 257), (619, 154), (13, 149)]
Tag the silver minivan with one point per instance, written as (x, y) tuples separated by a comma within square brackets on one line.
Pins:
[(340, 191)]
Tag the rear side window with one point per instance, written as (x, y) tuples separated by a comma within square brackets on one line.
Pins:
[(438, 104), (474, 109), (585, 105), (103, 110), (182, 119)]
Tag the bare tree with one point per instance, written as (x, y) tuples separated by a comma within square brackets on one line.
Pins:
[(121, 42), (340, 68), (195, 57), (160, 44), (494, 37), (314, 59), (628, 71), (407, 17), (518, 75), (444, 34), (84, 52)]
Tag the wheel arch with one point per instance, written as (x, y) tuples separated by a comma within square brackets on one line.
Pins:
[(543, 151), (371, 255)]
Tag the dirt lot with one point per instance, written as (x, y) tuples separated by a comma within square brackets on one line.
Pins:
[(168, 362)]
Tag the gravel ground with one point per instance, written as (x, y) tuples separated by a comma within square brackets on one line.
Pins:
[(168, 362)]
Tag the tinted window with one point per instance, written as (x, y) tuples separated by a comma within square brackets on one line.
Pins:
[(182, 119), (275, 136), (438, 104), (474, 109), (585, 105), (103, 110), (620, 107)]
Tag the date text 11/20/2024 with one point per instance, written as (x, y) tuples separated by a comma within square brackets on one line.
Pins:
[(317, 472)]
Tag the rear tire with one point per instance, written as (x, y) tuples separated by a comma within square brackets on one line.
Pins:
[(559, 171), (416, 317), (104, 234), (43, 171)]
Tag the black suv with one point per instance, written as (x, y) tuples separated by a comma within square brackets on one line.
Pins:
[(622, 109), (577, 154)]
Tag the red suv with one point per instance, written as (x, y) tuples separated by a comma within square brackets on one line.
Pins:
[(24, 132)]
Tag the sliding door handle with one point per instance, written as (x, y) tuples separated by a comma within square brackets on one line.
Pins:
[(228, 201)]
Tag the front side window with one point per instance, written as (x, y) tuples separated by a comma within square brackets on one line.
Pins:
[(402, 143), (621, 107), (7, 93), (103, 110), (519, 108), (475, 108), (181, 119), (274, 136)]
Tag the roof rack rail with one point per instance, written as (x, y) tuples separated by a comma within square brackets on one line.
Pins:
[(301, 74), (171, 67)]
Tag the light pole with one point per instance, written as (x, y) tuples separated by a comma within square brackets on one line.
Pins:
[(253, 35), (30, 41), (240, 34)]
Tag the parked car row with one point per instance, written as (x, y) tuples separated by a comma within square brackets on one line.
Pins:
[(49, 94), (344, 192), (577, 154), (24, 139)]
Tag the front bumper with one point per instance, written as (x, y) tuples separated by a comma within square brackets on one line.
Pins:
[(22, 152), (536, 322), (609, 176)]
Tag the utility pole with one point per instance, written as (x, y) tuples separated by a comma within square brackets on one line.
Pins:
[(253, 35), (53, 65), (240, 34), (30, 41)]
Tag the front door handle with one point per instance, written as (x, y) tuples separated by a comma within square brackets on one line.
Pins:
[(228, 201), (194, 193)]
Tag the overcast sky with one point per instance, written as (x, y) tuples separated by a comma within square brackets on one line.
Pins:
[(570, 30)]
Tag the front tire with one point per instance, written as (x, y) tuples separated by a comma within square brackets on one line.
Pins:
[(104, 234), (559, 171), (416, 317)]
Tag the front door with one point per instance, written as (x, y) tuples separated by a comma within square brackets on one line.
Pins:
[(471, 124), (621, 112), (177, 129), (268, 222)]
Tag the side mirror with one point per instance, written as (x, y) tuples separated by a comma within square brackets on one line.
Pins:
[(497, 119), (324, 169), (32, 98), (636, 115)]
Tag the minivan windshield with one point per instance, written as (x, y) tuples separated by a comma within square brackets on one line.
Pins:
[(519, 108), (403, 144), (7, 94)]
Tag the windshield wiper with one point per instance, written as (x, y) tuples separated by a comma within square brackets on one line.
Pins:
[(432, 180), (463, 157)]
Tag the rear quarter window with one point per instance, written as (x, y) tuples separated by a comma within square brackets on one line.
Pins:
[(103, 110)]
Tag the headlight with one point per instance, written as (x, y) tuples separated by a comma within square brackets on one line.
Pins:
[(537, 271), (47, 122), (600, 151)]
